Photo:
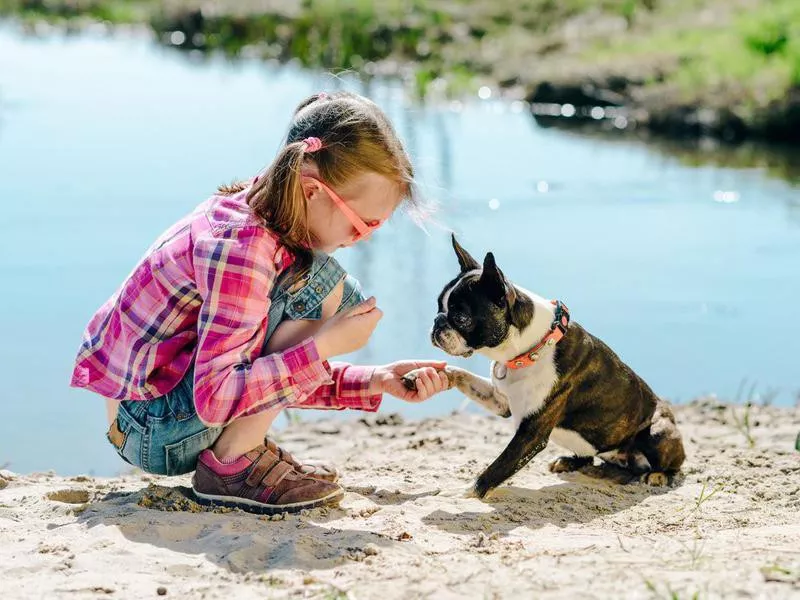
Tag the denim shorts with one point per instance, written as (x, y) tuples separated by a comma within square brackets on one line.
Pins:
[(165, 436)]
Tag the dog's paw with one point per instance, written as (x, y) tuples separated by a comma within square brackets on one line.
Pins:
[(471, 492), (568, 464), (656, 479), (452, 376), (479, 489), (561, 465), (410, 379)]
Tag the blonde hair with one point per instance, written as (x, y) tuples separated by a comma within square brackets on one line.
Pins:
[(356, 137)]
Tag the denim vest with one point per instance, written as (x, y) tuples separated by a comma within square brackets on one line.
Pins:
[(306, 302)]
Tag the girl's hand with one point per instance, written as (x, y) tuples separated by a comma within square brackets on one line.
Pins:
[(349, 330), (431, 380)]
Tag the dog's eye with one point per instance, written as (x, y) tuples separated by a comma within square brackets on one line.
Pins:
[(461, 319)]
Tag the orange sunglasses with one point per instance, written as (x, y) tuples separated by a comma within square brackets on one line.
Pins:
[(363, 228)]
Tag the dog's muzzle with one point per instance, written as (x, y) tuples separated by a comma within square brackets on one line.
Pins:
[(448, 339), (437, 332)]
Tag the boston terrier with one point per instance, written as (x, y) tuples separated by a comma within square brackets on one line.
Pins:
[(558, 381)]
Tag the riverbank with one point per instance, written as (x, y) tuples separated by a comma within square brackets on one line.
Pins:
[(718, 68)]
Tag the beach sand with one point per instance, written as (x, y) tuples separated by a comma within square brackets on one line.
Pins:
[(728, 527)]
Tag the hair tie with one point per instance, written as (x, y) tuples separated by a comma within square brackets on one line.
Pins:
[(312, 144)]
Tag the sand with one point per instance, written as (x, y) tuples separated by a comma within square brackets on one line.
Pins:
[(728, 527)]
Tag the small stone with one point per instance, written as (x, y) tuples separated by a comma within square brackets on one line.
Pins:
[(371, 550), (161, 591)]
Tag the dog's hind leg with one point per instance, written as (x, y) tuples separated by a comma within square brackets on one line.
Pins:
[(633, 460), (567, 464), (662, 445)]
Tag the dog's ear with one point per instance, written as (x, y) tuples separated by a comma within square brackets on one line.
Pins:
[(494, 283), (465, 261), (502, 293)]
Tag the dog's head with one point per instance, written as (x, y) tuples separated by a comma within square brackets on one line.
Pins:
[(479, 308)]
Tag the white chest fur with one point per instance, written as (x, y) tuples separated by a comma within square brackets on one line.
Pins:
[(528, 387)]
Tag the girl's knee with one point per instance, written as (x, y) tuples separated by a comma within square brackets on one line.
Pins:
[(293, 331), (351, 293), (331, 304)]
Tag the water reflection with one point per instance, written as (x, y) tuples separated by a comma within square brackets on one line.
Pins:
[(778, 160), (647, 251)]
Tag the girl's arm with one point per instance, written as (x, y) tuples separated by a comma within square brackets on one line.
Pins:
[(235, 272)]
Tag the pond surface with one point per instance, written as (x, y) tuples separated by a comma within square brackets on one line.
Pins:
[(691, 272)]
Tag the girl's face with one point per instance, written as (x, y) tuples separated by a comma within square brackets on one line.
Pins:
[(369, 199)]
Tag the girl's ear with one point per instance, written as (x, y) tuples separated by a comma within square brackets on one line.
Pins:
[(310, 187)]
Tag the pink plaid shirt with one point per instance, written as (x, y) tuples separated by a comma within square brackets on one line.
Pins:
[(201, 294)]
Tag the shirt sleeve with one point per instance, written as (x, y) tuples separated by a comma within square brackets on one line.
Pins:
[(349, 388), (235, 274)]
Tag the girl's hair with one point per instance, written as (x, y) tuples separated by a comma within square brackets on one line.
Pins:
[(356, 137)]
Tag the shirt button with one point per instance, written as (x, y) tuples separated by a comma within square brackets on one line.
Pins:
[(299, 306), (319, 289)]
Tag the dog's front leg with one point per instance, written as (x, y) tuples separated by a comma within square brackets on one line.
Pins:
[(476, 388), (479, 389), (530, 438)]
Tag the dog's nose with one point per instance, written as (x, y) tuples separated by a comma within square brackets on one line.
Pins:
[(440, 321)]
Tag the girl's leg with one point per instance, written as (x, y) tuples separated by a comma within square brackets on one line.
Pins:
[(111, 410), (258, 475), (245, 433)]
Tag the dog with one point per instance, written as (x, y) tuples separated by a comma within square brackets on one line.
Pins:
[(556, 380)]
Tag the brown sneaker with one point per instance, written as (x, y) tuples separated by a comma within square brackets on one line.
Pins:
[(259, 482), (310, 468)]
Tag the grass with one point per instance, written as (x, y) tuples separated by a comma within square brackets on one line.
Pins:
[(114, 11), (441, 37), (743, 424), (742, 420), (746, 56), (756, 52), (781, 574), (703, 497), (668, 593), (694, 553)]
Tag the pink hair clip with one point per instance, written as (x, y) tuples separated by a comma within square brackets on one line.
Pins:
[(312, 144)]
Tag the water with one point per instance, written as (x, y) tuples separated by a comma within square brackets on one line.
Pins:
[(690, 272)]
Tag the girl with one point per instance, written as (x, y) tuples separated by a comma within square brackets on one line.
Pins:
[(233, 313)]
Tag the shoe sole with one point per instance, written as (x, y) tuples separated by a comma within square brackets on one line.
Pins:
[(260, 508)]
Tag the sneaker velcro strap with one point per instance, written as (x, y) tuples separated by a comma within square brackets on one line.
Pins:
[(282, 454), (277, 474), (261, 467)]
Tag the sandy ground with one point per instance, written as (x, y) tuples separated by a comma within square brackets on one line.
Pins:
[(730, 527)]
